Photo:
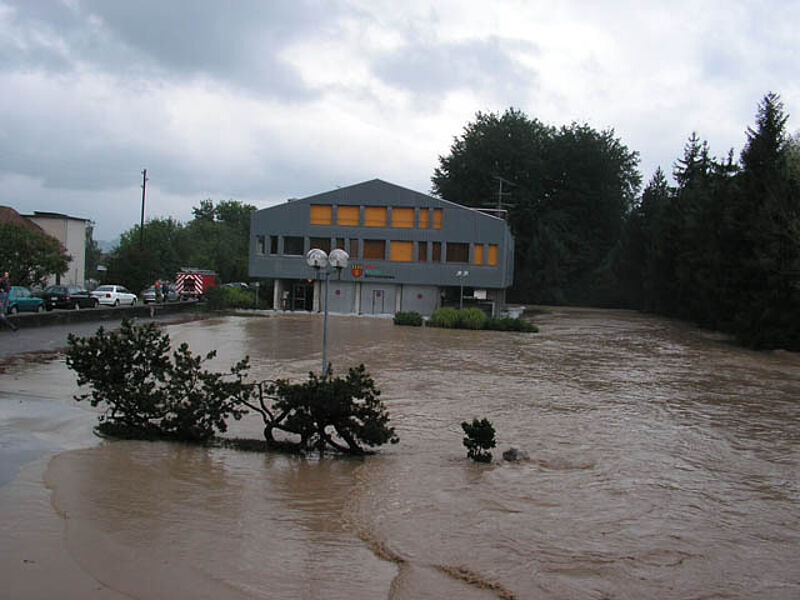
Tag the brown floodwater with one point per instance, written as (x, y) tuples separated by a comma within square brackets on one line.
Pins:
[(663, 464)]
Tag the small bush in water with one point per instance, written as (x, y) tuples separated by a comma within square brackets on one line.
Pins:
[(479, 439), (413, 319)]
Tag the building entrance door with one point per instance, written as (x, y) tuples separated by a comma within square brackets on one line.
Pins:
[(302, 296), (378, 300)]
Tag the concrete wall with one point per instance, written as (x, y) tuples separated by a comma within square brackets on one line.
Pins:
[(421, 299)]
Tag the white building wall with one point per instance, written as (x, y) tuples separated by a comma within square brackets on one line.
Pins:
[(71, 232)]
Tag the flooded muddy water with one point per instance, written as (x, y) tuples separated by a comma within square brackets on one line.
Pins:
[(664, 464)]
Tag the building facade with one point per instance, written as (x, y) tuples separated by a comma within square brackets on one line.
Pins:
[(71, 232), (408, 251)]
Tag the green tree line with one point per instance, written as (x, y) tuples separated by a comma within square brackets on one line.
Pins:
[(217, 238), (720, 246)]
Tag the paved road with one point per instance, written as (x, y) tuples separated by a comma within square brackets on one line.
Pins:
[(52, 337)]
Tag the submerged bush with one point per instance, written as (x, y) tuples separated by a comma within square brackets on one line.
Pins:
[(475, 318), (471, 318), (479, 439), (413, 319), (325, 412), (446, 317), (509, 324), (150, 393)]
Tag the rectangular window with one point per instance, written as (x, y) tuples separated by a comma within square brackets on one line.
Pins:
[(375, 216), (401, 251), (340, 244), (491, 259), (321, 214), (477, 254), (424, 218), (457, 253), (321, 243), (293, 245), (402, 217), (422, 251), (348, 215), (353, 249), (273, 244), (437, 218), (375, 249), (436, 252), (261, 244)]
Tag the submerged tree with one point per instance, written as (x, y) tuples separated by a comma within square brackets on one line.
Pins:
[(339, 413), (149, 393)]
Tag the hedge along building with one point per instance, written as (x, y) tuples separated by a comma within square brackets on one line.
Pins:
[(408, 251)]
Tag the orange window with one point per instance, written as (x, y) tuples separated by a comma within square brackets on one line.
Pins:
[(423, 218), (436, 252), (402, 217), (477, 254), (321, 214), (437, 218), (348, 215), (492, 258), (375, 216), (401, 251)]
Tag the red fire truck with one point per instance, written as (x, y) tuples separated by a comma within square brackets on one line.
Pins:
[(192, 283)]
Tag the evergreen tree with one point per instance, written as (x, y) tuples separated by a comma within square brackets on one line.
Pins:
[(768, 217)]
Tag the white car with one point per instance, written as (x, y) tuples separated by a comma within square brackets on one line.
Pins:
[(114, 295)]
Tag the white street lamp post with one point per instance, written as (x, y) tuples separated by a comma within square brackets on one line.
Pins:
[(319, 260), (462, 275)]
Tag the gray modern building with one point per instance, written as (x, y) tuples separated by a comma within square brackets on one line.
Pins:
[(408, 251)]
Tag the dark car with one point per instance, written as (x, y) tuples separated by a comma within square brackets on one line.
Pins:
[(67, 296)]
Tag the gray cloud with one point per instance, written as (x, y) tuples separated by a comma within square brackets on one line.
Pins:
[(238, 43), (482, 65)]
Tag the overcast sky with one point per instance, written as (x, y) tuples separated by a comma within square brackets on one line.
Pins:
[(260, 101)]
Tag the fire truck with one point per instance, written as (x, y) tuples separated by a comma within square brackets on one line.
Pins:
[(192, 283)]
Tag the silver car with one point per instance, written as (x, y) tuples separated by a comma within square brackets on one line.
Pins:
[(114, 295)]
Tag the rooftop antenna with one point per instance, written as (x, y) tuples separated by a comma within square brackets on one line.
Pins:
[(501, 193)]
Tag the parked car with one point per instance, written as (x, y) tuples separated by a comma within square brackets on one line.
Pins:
[(169, 294), (114, 295), (67, 296), (237, 284), (21, 299)]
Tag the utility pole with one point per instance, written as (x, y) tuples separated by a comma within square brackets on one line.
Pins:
[(141, 226)]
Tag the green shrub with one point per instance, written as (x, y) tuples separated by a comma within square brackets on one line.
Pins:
[(446, 317), (471, 318), (479, 438), (413, 319), (229, 297)]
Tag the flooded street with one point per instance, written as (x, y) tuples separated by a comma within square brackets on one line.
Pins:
[(664, 464)]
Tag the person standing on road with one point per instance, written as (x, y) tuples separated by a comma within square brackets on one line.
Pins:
[(5, 292)]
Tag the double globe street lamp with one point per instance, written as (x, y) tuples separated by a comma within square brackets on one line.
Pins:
[(324, 263)]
